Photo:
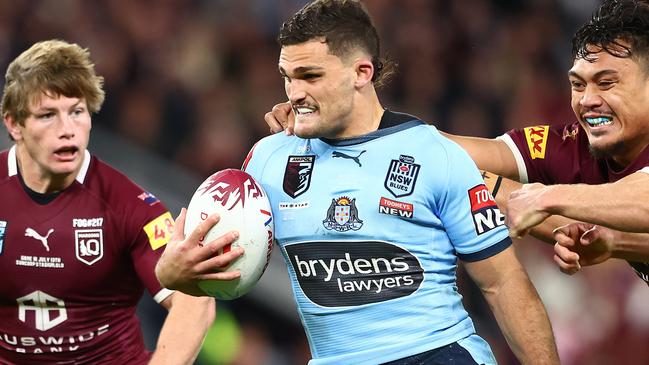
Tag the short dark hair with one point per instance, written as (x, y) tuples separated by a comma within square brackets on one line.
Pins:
[(619, 27), (345, 26)]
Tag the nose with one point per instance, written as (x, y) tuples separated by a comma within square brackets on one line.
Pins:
[(591, 97), (66, 126), (295, 92)]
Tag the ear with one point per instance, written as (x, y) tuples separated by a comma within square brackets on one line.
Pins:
[(13, 128), (364, 72)]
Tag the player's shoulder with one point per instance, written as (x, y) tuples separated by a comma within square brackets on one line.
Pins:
[(268, 147), (113, 186)]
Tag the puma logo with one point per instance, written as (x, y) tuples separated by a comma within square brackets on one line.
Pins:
[(356, 159), (29, 232)]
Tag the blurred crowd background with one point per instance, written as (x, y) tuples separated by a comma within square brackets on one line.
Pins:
[(190, 81)]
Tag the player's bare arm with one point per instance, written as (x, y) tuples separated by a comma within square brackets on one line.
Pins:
[(184, 328), (619, 205), (185, 262), (501, 188), (517, 307)]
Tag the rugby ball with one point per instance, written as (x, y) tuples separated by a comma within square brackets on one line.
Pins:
[(243, 206)]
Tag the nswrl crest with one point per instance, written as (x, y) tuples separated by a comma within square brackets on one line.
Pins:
[(342, 215), (402, 176)]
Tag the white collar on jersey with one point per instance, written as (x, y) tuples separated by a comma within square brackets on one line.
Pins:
[(13, 164)]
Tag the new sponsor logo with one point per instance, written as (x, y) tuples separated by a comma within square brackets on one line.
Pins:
[(351, 273), (537, 138), (485, 212), (89, 245), (396, 208), (342, 215), (3, 230), (402, 176), (297, 176)]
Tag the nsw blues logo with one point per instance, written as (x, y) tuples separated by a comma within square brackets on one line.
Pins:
[(297, 176), (342, 215), (402, 176)]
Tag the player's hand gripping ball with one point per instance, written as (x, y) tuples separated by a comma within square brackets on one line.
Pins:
[(243, 206)]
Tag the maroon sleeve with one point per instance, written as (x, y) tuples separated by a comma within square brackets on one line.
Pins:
[(550, 154), (146, 221)]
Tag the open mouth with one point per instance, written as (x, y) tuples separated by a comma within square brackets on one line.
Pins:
[(599, 121), (66, 152)]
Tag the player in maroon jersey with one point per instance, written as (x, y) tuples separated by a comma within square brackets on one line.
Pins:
[(78, 239), (610, 89)]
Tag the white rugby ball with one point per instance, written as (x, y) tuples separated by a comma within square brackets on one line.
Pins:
[(243, 206)]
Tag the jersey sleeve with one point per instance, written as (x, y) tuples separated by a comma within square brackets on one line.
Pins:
[(474, 224), (150, 226), (546, 153)]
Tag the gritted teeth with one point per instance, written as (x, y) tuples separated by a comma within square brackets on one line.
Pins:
[(304, 110), (599, 121)]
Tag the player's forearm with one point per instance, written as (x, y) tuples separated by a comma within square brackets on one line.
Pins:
[(621, 206), (523, 320), (631, 246), (501, 187), (184, 329)]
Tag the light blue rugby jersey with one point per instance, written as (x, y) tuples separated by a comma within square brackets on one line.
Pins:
[(371, 229)]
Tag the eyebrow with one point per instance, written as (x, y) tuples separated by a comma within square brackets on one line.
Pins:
[(301, 70), (597, 75), (42, 109)]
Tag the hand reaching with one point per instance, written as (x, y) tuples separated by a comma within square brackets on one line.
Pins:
[(280, 118), (524, 209), (582, 244)]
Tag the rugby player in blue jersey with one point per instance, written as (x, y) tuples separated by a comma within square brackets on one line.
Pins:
[(374, 209)]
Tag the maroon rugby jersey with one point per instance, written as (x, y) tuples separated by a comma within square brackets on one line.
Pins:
[(73, 269), (559, 154)]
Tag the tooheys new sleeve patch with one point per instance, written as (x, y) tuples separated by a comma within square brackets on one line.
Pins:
[(159, 230), (485, 212)]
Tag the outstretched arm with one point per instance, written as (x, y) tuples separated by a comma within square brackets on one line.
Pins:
[(501, 188), (184, 329), (620, 205), (517, 307)]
